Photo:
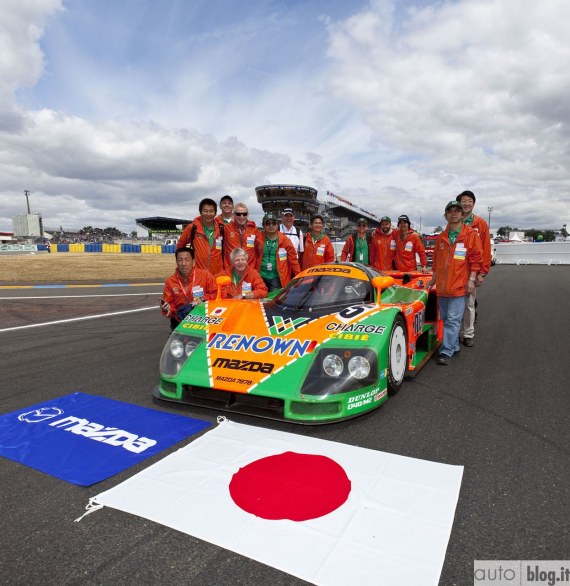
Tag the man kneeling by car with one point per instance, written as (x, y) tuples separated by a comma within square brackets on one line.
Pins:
[(186, 288)]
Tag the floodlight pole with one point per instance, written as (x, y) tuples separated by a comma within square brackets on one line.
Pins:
[(490, 209), (27, 193)]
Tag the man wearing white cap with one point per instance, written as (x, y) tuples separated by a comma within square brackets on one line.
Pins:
[(288, 228)]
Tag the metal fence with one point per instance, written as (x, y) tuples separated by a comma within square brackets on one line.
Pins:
[(533, 253)]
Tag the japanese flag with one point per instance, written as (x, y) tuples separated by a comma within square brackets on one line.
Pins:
[(325, 512)]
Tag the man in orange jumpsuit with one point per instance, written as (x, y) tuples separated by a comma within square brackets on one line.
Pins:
[(467, 201), (227, 207), (357, 246), (276, 257), (318, 246), (456, 261), (408, 243), (206, 237), (240, 233), (383, 246), (246, 282), (186, 288)]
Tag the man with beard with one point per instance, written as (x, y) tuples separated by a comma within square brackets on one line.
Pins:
[(383, 246)]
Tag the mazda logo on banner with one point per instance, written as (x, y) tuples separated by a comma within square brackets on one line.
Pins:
[(41, 414)]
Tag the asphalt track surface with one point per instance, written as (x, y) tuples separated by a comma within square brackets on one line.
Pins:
[(500, 410)]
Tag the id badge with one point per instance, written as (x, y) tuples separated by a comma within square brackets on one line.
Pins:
[(246, 287), (197, 292), (218, 244), (269, 266), (320, 251), (361, 257)]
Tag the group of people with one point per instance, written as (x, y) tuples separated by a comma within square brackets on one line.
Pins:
[(229, 244), (260, 261)]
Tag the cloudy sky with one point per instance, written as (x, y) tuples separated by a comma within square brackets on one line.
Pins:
[(113, 110)]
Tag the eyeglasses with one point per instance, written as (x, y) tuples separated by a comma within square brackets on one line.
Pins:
[(361, 225), (271, 223), (241, 213)]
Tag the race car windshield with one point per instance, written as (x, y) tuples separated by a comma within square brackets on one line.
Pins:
[(323, 292)]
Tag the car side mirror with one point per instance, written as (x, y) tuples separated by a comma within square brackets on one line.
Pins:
[(379, 284), (222, 282)]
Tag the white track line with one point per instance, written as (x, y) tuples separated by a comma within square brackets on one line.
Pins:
[(81, 296), (64, 321)]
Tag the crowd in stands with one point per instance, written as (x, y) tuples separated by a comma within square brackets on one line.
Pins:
[(257, 261)]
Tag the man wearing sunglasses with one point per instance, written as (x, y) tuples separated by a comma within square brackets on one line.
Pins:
[(276, 258), (240, 233)]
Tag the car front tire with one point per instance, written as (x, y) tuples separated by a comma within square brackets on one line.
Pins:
[(397, 356)]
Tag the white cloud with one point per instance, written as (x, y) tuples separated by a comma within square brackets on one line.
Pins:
[(395, 107), (473, 91)]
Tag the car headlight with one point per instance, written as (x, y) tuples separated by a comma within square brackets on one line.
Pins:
[(359, 367), (176, 351), (190, 347), (333, 365), (339, 370)]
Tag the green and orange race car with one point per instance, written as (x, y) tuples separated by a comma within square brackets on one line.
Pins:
[(333, 344)]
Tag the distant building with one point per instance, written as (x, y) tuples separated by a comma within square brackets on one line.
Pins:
[(162, 228), (341, 216), (6, 237), (300, 198), (28, 225), (339, 213)]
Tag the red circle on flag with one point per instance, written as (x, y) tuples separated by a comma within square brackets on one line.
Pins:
[(290, 486)]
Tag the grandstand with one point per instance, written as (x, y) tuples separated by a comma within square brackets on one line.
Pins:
[(340, 214), (302, 200), (162, 227)]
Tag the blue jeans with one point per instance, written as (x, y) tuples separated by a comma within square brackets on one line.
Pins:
[(451, 311)]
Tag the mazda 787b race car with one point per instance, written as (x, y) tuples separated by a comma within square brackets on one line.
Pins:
[(333, 344)]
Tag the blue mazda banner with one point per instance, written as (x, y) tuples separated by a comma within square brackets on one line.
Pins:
[(84, 439)]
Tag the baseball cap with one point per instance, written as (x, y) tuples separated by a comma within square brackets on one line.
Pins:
[(269, 216), (385, 219), (287, 211), (362, 221), (453, 204), (404, 218)]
